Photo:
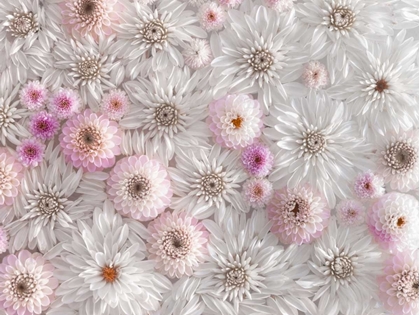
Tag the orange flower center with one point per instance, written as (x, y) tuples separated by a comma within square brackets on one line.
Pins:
[(400, 222), (237, 122), (109, 274)]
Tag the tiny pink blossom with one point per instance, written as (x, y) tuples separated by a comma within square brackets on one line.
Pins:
[(115, 104), (198, 55), (64, 103), (33, 96), (350, 213), (30, 152), (257, 159), (315, 75), (257, 192), (212, 16), (43, 125), (369, 185), (230, 3)]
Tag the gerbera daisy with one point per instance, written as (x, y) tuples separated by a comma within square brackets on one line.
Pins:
[(197, 54), (43, 125), (114, 104), (257, 192), (33, 95), (30, 152), (257, 159), (369, 185), (10, 177), (90, 141), (350, 213), (212, 16), (64, 103), (315, 75)]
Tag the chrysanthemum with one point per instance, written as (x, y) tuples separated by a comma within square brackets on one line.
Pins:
[(399, 287), (4, 240), (27, 284), (30, 152), (139, 187), (235, 120), (315, 75), (10, 177), (177, 243), (257, 192), (197, 54), (344, 263), (33, 95), (212, 16), (114, 104), (369, 185), (319, 144), (350, 213), (43, 125), (90, 141), (111, 276), (279, 5), (257, 159), (64, 103), (299, 215), (393, 220)]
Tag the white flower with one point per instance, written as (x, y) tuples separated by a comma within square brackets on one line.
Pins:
[(197, 54), (211, 16), (318, 144)]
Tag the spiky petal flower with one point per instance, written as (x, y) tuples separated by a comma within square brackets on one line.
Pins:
[(315, 75), (33, 95), (369, 185), (43, 125), (10, 177), (257, 192), (4, 240), (30, 152), (177, 243), (114, 104), (350, 213), (198, 54), (27, 284), (212, 16), (64, 103), (257, 159)]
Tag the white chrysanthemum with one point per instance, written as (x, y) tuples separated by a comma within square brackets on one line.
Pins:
[(383, 91), (318, 144), (102, 269), (206, 182), (344, 263), (159, 32), (169, 109), (197, 54), (47, 208), (260, 52)]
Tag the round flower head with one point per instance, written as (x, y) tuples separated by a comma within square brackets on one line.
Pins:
[(235, 120), (90, 141), (257, 192), (64, 103), (10, 177), (115, 104), (33, 95), (369, 185), (26, 284), (30, 152), (198, 54), (257, 159), (315, 75), (393, 220), (4, 240), (399, 286), (177, 244), (211, 16), (350, 213), (139, 187), (230, 3), (299, 215), (43, 125)]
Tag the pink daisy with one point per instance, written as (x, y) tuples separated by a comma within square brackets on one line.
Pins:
[(115, 104), (91, 141), (177, 244), (4, 240), (315, 75), (399, 287), (350, 212), (33, 95), (139, 187), (299, 215), (212, 16), (30, 152), (257, 159), (64, 103), (257, 192), (43, 125), (369, 185), (10, 177), (27, 284)]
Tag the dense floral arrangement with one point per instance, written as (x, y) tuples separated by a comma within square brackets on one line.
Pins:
[(195, 157)]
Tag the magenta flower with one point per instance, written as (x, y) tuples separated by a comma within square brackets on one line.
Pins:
[(10, 177), (43, 125), (33, 95), (257, 192), (257, 159), (30, 152), (369, 185), (64, 103), (115, 104)]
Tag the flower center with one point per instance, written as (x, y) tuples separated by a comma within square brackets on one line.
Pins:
[(64, 104), (166, 115), (341, 18), (35, 96), (89, 68), (236, 277), (116, 104), (154, 32), (400, 157), (22, 24), (212, 185), (258, 191), (237, 122), (313, 142), (176, 243), (23, 286), (381, 86), (401, 222), (406, 284), (341, 267), (87, 7), (109, 274), (88, 139), (138, 187), (31, 152), (261, 60)]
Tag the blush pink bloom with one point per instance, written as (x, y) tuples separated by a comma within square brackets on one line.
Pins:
[(33, 95), (257, 192), (369, 185), (10, 177), (115, 104), (4, 240), (315, 75), (30, 152), (350, 213), (299, 215), (257, 159), (139, 187), (177, 243), (212, 16), (64, 103), (90, 141)]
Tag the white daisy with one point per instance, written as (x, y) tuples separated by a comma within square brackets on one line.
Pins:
[(318, 144), (197, 54)]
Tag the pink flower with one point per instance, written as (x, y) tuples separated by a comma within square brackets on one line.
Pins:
[(315, 75), (90, 141), (299, 215), (257, 159), (257, 192), (4, 240), (177, 244), (64, 103), (27, 284), (10, 177), (369, 185), (350, 212), (43, 125), (139, 187), (115, 104), (30, 152), (33, 95), (211, 16), (399, 287)]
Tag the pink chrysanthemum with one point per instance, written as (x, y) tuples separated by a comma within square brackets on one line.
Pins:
[(43, 125), (4, 240), (177, 244), (230, 3), (27, 284), (350, 213), (10, 177), (91, 141), (257, 159), (315, 75), (115, 104), (64, 103), (212, 16), (257, 192), (399, 287), (140, 187), (394, 219), (198, 54), (369, 185), (235, 120), (299, 215), (33, 95), (30, 152)]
